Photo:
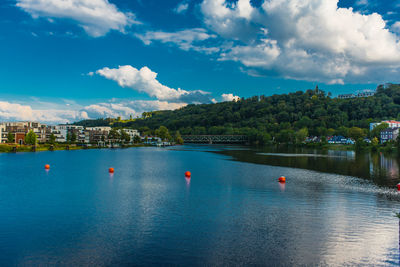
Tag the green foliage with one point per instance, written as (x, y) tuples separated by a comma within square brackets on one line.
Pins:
[(356, 133), (114, 134), (10, 138), (71, 137), (301, 135), (30, 138), (124, 136), (279, 116), (360, 144), (376, 132), (136, 139), (375, 141), (97, 122), (163, 133), (178, 138), (52, 139)]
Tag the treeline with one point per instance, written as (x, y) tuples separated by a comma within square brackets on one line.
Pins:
[(277, 117)]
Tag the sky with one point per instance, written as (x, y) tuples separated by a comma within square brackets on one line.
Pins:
[(66, 60)]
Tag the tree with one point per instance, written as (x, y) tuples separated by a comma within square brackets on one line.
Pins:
[(178, 138), (376, 131), (52, 139), (290, 112), (374, 143), (356, 133), (136, 139), (360, 144), (10, 138), (163, 133), (73, 137), (113, 134), (30, 138), (124, 136), (301, 135)]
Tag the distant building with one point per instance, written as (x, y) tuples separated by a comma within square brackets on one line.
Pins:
[(93, 135), (96, 134), (20, 129), (132, 133), (346, 96), (3, 133), (364, 93), (69, 129), (390, 134), (340, 140), (391, 123)]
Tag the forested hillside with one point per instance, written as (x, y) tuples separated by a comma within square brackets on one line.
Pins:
[(276, 116)]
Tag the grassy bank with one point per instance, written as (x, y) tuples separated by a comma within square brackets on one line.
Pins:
[(10, 148)]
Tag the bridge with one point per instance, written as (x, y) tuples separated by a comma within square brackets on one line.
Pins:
[(215, 139)]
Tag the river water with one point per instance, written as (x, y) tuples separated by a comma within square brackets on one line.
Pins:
[(231, 212)]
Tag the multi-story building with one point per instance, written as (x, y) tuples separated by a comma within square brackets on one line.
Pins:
[(392, 124), (3, 133), (132, 133), (96, 134), (390, 134), (67, 130), (20, 129), (62, 132)]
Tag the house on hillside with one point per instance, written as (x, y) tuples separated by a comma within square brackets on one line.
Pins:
[(346, 96), (392, 124), (390, 134)]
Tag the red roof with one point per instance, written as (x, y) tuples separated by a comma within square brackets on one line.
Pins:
[(392, 121)]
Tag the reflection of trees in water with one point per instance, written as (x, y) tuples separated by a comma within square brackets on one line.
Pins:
[(382, 169)]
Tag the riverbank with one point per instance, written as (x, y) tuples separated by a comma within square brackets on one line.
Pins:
[(12, 148)]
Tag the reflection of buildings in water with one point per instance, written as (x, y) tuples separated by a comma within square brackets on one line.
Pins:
[(380, 163), (390, 165), (346, 155)]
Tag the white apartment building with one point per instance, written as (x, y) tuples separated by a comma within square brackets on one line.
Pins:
[(132, 133), (64, 129)]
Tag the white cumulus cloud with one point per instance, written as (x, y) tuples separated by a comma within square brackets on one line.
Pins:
[(96, 17), (230, 97), (307, 40), (181, 8), (185, 39), (52, 113), (145, 80), (19, 112)]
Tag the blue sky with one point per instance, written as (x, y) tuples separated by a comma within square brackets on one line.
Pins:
[(66, 60)]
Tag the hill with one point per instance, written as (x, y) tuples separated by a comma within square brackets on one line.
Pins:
[(278, 117)]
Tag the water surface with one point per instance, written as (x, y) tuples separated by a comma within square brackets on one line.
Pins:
[(229, 213)]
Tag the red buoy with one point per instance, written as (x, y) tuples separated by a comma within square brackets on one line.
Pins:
[(188, 174), (282, 179), (47, 167), (111, 170), (398, 187)]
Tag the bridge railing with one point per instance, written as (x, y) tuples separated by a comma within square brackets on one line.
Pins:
[(227, 139)]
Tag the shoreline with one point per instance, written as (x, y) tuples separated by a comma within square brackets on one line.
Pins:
[(8, 148)]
